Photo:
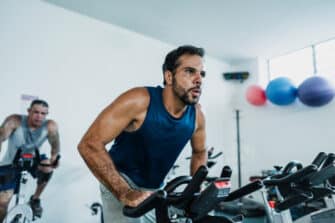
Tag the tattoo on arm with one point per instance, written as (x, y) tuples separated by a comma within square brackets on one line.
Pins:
[(7, 127), (54, 142), (2, 134)]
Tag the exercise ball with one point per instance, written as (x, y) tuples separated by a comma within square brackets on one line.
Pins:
[(255, 95), (315, 91), (281, 91)]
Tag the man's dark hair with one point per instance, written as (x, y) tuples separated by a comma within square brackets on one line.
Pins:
[(171, 60), (39, 102)]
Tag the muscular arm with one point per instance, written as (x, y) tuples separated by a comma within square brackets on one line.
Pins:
[(123, 114), (53, 138), (198, 143), (8, 126)]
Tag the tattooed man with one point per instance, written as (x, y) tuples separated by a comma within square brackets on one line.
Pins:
[(27, 133)]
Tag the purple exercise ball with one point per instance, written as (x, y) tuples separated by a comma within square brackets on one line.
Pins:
[(315, 91)]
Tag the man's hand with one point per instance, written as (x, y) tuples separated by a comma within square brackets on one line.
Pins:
[(134, 197), (54, 161)]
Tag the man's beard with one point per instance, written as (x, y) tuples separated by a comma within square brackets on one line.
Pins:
[(184, 94)]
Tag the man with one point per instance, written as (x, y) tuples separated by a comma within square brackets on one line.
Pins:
[(150, 127), (28, 132)]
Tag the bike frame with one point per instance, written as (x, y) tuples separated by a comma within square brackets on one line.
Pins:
[(21, 212)]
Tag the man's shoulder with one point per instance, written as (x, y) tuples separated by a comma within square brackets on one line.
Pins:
[(198, 108), (200, 113), (51, 125), (144, 91), (16, 116), (11, 123), (138, 90), (137, 95), (15, 119)]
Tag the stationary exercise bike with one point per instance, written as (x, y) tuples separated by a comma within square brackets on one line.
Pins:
[(284, 192), (191, 204), (23, 163)]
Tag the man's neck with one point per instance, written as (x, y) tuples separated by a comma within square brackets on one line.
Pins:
[(31, 126), (173, 104)]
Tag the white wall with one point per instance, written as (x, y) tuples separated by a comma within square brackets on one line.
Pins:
[(79, 65)]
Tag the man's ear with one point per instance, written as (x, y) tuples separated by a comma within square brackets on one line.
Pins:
[(168, 77)]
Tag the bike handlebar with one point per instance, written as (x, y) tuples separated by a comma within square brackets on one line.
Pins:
[(53, 164), (320, 158), (26, 160), (303, 185), (176, 182), (191, 201), (289, 167), (215, 156), (181, 200), (247, 189), (291, 178), (148, 204)]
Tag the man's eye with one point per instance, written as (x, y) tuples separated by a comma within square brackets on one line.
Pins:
[(203, 73), (189, 70)]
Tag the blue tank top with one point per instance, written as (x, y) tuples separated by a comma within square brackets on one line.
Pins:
[(147, 154)]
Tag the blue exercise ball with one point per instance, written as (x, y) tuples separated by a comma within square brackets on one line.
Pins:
[(281, 91), (315, 91)]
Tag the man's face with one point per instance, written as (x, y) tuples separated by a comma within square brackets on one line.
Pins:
[(187, 79), (36, 115)]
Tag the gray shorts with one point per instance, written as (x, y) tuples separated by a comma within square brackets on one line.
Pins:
[(112, 207)]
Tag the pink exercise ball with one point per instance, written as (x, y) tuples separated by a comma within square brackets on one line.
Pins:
[(256, 95)]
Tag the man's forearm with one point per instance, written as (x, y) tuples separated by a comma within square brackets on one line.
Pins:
[(104, 170), (198, 159), (54, 152), (54, 143)]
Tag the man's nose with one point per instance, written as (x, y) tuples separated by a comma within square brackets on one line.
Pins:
[(198, 78)]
